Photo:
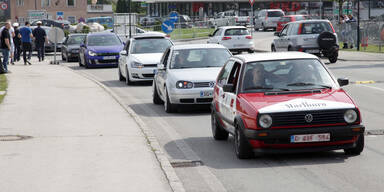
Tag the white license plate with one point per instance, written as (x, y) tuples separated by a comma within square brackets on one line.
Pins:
[(321, 137), (206, 93), (312, 51), (109, 57)]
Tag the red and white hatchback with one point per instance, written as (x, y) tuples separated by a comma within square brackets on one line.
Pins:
[(284, 102)]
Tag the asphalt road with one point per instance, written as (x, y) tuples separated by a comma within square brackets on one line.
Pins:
[(186, 137)]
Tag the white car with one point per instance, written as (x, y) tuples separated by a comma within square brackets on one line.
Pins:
[(268, 18), (235, 38), (138, 61), (187, 74)]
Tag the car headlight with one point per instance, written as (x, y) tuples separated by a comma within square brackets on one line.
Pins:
[(136, 65), (265, 121), (184, 85), (350, 116), (91, 53)]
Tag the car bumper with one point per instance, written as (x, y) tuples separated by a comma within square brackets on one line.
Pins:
[(245, 46), (315, 50), (278, 140), (142, 74), (100, 61), (191, 96)]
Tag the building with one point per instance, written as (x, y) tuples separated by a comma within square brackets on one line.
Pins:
[(71, 10)]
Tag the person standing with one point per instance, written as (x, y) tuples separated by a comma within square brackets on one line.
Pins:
[(26, 40), (5, 45), (40, 38), (17, 42), (12, 34)]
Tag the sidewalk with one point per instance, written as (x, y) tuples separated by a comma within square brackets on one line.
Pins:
[(82, 139)]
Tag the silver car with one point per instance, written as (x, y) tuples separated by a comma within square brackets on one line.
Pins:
[(187, 74), (235, 38), (267, 19), (138, 61), (311, 36)]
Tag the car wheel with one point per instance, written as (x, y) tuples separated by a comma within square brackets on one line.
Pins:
[(218, 132), (273, 49), (290, 48), (243, 149), (332, 59), (250, 51), (168, 106), (358, 148), (121, 78), (127, 80), (155, 95), (263, 27)]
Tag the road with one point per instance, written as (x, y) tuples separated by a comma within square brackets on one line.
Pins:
[(186, 138)]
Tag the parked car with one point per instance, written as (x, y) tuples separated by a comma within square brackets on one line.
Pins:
[(289, 18), (101, 20), (235, 38), (63, 24), (267, 19), (284, 102), (148, 21), (140, 56), (50, 45), (312, 36), (187, 73), (242, 19), (100, 49), (71, 46)]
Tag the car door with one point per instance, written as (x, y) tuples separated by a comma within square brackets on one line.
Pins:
[(279, 42), (215, 36), (161, 74)]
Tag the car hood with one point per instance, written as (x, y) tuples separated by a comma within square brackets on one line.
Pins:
[(195, 74), (326, 100), (148, 58), (106, 49)]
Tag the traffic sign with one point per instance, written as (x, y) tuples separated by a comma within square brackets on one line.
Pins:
[(252, 2), (59, 15), (4, 6), (168, 26), (174, 17)]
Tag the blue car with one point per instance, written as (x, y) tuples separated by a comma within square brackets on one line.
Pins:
[(100, 50)]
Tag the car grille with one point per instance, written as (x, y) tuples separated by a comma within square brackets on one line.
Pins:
[(203, 84), (100, 61), (148, 75), (204, 100), (150, 65), (107, 54), (298, 118)]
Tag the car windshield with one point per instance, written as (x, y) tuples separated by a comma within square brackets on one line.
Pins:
[(237, 31), (75, 40), (286, 75), (199, 58), (150, 45), (275, 14), (315, 28), (103, 40)]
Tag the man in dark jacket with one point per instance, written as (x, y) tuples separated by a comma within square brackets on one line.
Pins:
[(17, 42), (40, 38), (5, 47)]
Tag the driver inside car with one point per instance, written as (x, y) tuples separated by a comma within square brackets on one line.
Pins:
[(301, 73), (255, 77)]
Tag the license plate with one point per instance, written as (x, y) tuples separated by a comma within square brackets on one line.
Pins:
[(206, 93), (109, 57), (312, 51), (310, 138)]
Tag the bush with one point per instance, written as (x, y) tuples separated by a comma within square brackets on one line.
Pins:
[(85, 29)]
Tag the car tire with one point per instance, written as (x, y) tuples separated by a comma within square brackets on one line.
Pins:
[(250, 51), (358, 148), (263, 27), (290, 48), (332, 59), (127, 80), (168, 106), (273, 49), (243, 149), (121, 78), (218, 132), (155, 97)]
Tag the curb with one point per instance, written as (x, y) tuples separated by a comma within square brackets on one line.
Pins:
[(170, 174)]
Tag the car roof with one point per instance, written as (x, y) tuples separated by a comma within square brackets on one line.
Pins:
[(312, 21), (149, 34), (77, 34), (232, 27), (100, 33), (274, 56), (197, 46)]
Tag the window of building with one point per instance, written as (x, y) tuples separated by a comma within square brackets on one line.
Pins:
[(71, 3), (20, 2), (45, 3)]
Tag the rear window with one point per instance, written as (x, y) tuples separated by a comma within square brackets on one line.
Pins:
[(275, 14), (233, 32), (315, 28)]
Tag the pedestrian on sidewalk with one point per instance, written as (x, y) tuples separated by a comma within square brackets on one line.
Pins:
[(17, 42), (40, 38), (12, 34), (26, 40), (5, 46)]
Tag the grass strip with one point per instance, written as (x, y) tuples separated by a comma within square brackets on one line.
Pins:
[(3, 86)]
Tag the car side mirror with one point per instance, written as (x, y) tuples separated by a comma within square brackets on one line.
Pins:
[(123, 52), (276, 34), (160, 66), (228, 87), (343, 81)]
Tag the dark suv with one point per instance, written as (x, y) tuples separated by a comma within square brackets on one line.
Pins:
[(312, 36)]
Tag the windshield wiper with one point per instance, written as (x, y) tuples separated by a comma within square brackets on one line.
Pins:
[(258, 87), (309, 84)]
